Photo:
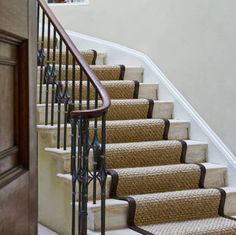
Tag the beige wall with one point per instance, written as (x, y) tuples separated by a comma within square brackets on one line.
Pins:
[(192, 41)]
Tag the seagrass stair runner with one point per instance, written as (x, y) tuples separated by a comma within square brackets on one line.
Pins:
[(148, 168)]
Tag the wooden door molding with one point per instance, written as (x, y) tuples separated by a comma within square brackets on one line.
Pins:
[(14, 108)]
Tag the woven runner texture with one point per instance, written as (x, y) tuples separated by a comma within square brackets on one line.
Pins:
[(143, 180), (176, 206), (210, 226), (115, 89), (124, 131), (103, 72), (143, 154), (88, 55)]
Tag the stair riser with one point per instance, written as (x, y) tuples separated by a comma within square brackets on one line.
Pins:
[(194, 154), (131, 73), (49, 133), (146, 91), (160, 110), (209, 181), (116, 214)]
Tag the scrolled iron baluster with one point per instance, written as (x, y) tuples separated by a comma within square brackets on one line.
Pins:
[(53, 76), (84, 176), (96, 154), (73, 170), (66, 100), (103, 174), (59, 100), (41, 57), (79, 164), (47, 77)]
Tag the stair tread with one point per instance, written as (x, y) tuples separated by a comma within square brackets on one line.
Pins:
[(139, 171), (124, 123), (209, 226), (137, 130), (142, 180), (129, 145), (110, 202)]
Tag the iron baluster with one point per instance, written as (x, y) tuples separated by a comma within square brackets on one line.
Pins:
[(47, 76), (79, 163), (42, 58), (59, 99), (103, 174), (84, 177), (73, 171), (66, 99), (47, 73), (53, 75), (96, 152), (80, 87)]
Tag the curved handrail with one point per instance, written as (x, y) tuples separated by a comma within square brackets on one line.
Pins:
[(92, 113)]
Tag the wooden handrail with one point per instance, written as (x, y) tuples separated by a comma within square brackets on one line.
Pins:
[(92, 113)]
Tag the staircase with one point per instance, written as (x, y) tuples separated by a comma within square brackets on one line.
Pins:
[(159, 181)]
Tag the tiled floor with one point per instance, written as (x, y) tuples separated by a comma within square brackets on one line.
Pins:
[(45, 231)]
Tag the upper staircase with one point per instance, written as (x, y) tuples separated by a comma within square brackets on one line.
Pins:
[(159, 181)]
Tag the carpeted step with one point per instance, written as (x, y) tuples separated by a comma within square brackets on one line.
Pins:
[(144, 154), (119, 110), (90, 56), (124, 131), (140, 153), (115, 89), (144, 180), (117, 210), (133, 89), (103, 72), (154, 153), (209, 182), (174, 206), (210, 226)]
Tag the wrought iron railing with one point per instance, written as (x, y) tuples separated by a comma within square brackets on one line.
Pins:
[(84, 120)]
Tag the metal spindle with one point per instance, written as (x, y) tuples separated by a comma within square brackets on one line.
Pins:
[(53, 75), (80, 87), (38, 16), (73, 171), (66, 99), (85, 176), (59, 95), (79, 166), (88, 93), (73, 81), (47, 72), (103, 172), (41, 61), (96, 150)]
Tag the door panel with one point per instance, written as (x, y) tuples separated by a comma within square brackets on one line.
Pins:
[(18, 160)]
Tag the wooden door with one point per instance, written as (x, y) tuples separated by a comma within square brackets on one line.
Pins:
[(18, 168)]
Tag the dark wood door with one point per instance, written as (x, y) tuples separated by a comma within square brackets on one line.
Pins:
[(18, 168)]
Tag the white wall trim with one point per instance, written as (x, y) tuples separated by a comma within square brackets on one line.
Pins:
[(81, 3), (218, 152)]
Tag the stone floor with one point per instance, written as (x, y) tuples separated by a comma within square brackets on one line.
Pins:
[(42, 230)]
